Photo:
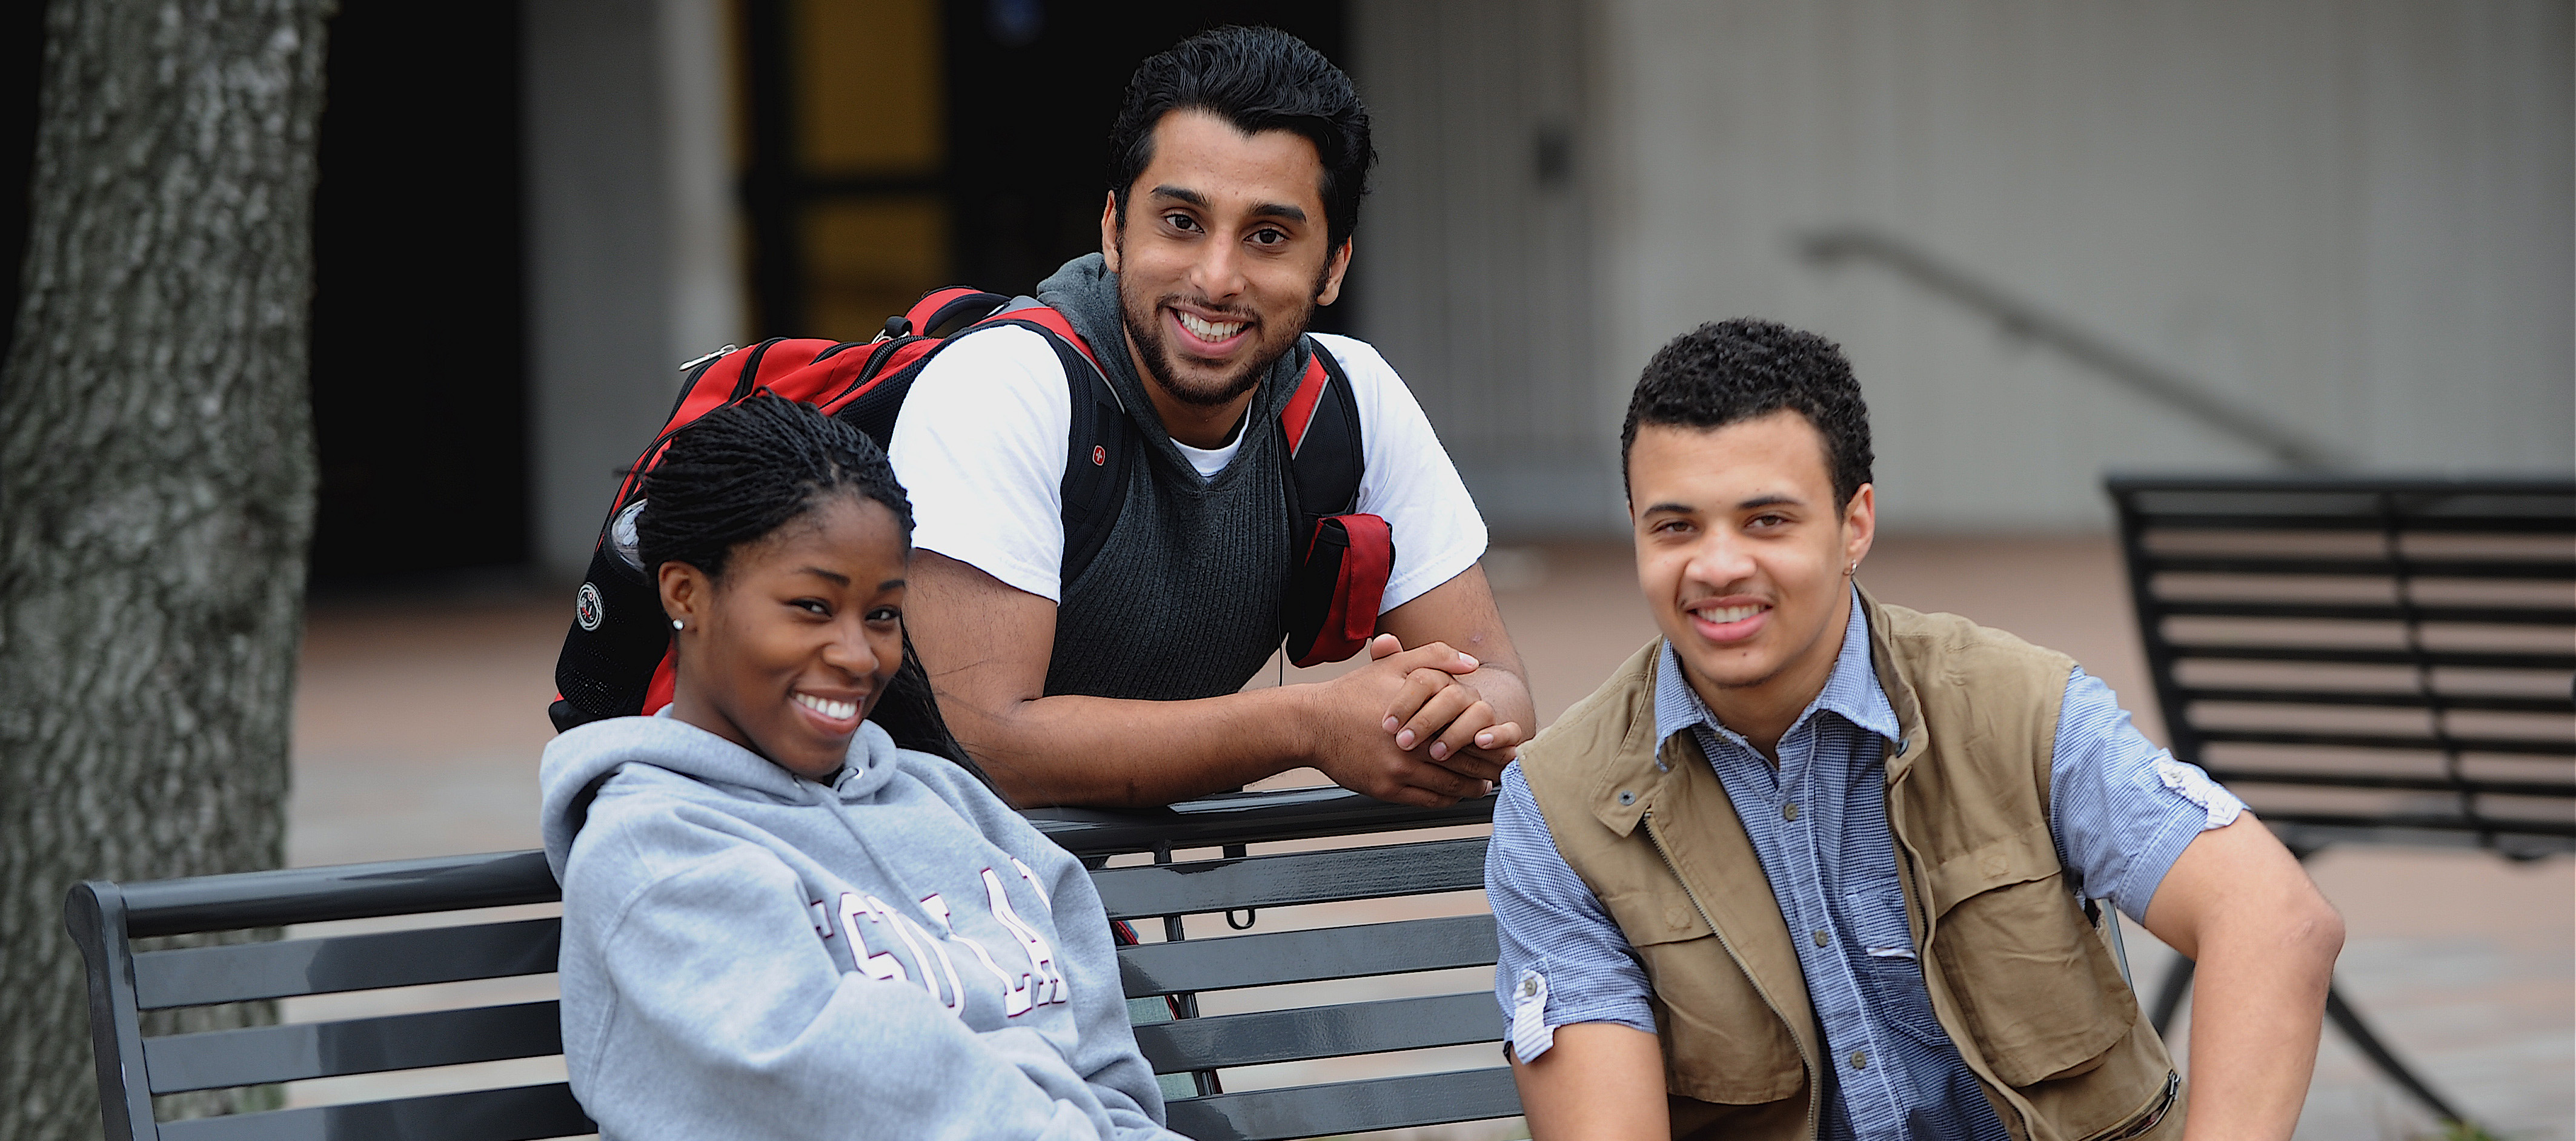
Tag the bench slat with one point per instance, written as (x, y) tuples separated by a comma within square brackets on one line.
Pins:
[(2524, 746), (2553, 570), (1218, 1041), (264, 1054), (2550, 835), (1307, 956), (1292, 878), (348, 891), (1347, 1107), (2358, 656), (2329, 779), (195, 976), (519, 1113), (2481, 702), (2372, 612)]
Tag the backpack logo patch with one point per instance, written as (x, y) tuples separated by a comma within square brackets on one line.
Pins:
[(587, 608), (1099, 455)]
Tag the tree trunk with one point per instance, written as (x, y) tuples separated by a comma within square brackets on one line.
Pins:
[(156, 489)]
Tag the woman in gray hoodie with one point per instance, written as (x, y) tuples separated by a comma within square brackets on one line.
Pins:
[(777, 924)]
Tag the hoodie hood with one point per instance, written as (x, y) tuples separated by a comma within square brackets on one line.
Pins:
[(579, 761)]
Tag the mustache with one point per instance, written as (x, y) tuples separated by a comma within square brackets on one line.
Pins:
[(1222, 312)]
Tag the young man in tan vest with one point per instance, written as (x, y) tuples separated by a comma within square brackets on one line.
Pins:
[(1811, 865)]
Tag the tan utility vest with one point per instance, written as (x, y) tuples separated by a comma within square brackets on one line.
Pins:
[(2025, 986)]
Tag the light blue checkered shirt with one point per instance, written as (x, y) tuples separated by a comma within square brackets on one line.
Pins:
[(2122, 811)]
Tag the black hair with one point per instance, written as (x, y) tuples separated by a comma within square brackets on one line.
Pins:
[(1728, 371), (736, 475), (1259, 79)]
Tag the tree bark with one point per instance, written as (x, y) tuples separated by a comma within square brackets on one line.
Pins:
[(156, 490)]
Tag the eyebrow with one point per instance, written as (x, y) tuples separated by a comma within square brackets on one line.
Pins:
[(835, 576), (889, 584), (1288, 210), (1770, 501)]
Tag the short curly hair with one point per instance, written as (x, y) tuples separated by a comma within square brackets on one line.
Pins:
[(1729, 371)]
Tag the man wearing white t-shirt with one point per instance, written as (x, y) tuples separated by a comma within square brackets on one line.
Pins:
[(1237, 161)]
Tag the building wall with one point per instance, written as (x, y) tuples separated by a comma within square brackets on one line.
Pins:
[(1474, 259), (2351, 218), (631, 265)]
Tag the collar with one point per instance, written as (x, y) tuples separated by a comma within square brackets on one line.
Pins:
[(1852, 691)]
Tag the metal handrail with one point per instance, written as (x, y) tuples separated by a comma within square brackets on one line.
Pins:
[(2189, 395)]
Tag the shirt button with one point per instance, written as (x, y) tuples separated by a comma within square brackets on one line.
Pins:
[(1820, 936), (1860, 1059), (1788, 812)]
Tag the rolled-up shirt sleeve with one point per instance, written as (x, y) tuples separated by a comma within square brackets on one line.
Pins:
[(1554, 933), (2122, 808)]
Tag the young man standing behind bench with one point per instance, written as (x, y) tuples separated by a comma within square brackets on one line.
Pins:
[(1237, 164), (1808, 865)]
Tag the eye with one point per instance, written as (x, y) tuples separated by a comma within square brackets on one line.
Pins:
[(886, 614), (1181, 222), (814, 606), (1766, 521), (1267, 236)]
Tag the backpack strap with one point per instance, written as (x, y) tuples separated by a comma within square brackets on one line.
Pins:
[(1100, 441), (1325, 460)]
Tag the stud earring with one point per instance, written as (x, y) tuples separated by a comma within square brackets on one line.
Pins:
[(676, 625), (1851, 570)]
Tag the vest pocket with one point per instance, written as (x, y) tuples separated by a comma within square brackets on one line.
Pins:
[(1725, 1045), (2036, 987)]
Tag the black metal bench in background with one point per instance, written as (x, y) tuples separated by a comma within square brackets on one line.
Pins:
[(2366, 661), (107, 918)]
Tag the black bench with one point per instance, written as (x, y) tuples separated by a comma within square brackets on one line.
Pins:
[(107, 918), (2376, 661)]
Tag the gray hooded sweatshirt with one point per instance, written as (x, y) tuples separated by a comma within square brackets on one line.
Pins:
[(748, 954)]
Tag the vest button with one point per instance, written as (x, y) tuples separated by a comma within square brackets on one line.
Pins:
[(1820, 936), (1788, 812), (1626, 797), (1860, 1059)]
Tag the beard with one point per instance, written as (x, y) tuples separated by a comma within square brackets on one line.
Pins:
[(1162, 363)]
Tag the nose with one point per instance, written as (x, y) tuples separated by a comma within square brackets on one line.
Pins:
[(1217, 272), (1719, 559), (850, 650)]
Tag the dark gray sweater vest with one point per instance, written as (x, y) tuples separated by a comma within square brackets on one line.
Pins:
[(1183, 599)]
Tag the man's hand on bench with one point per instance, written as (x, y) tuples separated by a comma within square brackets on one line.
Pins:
[(1437, 740)]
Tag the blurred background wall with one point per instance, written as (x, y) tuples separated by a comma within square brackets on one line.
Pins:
[(2056, 238)]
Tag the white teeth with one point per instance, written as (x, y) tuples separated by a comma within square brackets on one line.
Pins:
[(1210, 330), (1725, 614), (836, 710)]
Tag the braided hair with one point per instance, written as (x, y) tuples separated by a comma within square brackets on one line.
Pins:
[(737, 474)]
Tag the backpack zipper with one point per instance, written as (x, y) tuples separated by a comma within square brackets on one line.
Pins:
[(1814, 1093)]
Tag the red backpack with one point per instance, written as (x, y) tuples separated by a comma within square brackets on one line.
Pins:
[(616, 658)]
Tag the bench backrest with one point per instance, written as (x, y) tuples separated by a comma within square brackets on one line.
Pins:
[(2365, 659), (106, 918)]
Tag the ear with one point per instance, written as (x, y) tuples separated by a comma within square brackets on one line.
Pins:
[(1109, 231), (1334, 268), (1860, 524), (686, 592)]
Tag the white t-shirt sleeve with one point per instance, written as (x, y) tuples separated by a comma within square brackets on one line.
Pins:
[(980, 448), (1409, 480)]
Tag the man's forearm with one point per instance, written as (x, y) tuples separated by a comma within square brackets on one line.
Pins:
[(2239, 905), (1101, 751), (2258, 1001)]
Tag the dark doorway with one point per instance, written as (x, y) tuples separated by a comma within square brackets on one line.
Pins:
[(850, 216), (22, 68), (419, 373)]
